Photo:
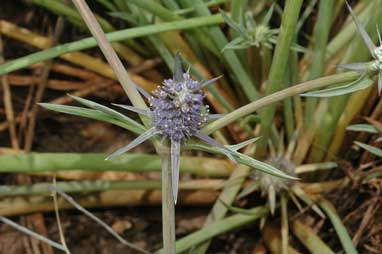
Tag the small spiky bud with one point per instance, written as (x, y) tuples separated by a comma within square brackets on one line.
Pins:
[(271, 185), (177, 108), (278, 183)]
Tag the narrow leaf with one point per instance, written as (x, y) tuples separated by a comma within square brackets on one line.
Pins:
[(253, 186), (365, 36), (239, 210), (355, 66), (268, 16), (241, 158), (94, 114), (305, 168), (244, 143), (379, 35), (263, 167), (233, 44), (212, 142), (372, 149), (363, 127), (299, 192), (209, 82), (125, 16), (239, 28), (341, 90), (94, 105), (175, 164), (342, 233), (139, 140), (178, 69), (134, 109)]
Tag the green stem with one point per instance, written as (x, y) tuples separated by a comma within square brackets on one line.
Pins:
[(317, 64), (278, 67), (127, 83), (288, 105), (279, 96), (133, 162), (62, 9), (86, 43), (217, 228), (168, 207)]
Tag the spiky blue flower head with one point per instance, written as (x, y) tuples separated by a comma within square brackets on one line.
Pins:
[(177, 112), (177, 108)]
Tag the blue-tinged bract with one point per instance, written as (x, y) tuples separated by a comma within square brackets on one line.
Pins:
[(177, 108)]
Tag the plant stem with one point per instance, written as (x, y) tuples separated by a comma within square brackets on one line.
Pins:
[(128, 85), (278, 67), (317, 63), (217, 228), (114, 36), (62, 9), (279, 96), (131, 162), (168, 207)]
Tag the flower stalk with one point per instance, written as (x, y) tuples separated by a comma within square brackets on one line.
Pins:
[(136, 99)]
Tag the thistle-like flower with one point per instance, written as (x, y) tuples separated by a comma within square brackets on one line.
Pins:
[(251, 33), (177, 113), (375, 51)]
